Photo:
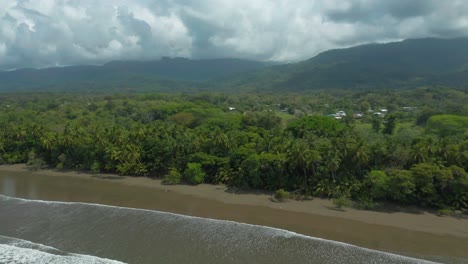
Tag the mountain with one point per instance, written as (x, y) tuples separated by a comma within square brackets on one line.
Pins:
[(410, 63), (163, 74), (406, 64)]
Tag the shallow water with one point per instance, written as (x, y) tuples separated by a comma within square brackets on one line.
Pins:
[(148, 236), (144, 236), (14, 250)]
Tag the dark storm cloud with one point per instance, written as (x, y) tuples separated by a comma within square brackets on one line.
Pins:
[(40, 33), (372, 11), (405, 9)]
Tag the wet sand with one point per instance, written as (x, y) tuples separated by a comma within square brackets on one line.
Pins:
[(412, 232)]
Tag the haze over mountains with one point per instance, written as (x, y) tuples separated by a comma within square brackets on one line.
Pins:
[(406, 64), (164, 74)]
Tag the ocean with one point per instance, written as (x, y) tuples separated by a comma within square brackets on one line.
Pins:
[(34, 231)]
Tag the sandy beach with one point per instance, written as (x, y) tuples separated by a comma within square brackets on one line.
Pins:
[(382, 230)]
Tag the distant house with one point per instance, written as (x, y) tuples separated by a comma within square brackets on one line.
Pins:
[(338, 115), (409, 108), (341, 113), (379, 114)]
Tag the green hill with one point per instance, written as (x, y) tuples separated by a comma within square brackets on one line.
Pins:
[(409, 63), (165, 74)]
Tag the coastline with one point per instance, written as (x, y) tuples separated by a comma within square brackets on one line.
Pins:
[(393, 231), (446, 225)]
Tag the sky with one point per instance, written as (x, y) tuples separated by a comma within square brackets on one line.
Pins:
[(46, 33)]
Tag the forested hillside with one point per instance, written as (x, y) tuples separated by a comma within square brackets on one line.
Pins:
[(160, 75), (405, 146), (407, 64)]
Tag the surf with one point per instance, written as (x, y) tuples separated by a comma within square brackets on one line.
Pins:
[(146, 236), (19, 251)]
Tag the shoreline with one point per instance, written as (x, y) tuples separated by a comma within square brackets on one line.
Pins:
[(410, 218), (414, 232)]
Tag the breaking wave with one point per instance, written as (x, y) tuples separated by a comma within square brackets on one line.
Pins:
[(97, 233), (18, 251)]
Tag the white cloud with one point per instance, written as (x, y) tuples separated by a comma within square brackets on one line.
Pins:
[(39, 33), (76, 13), (2, 49)]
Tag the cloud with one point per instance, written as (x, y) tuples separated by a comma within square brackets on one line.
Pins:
[(41, 33), (373, 11)]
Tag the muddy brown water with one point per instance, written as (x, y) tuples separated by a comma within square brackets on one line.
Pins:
[(14, 217)]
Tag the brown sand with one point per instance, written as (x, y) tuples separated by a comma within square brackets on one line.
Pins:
[(318, 217)]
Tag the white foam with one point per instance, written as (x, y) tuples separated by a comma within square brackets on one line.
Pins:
[(273, 231), (19, 255)]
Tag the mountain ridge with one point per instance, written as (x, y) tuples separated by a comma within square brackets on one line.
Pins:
[(177, 72), (409, 63), (405, 64)]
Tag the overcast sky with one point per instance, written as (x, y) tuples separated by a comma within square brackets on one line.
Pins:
[(42, 33)]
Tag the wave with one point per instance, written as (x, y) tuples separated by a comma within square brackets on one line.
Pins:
[(19, 251), (145, 236)]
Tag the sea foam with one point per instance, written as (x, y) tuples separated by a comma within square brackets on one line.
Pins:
[(143, 236), (19, 251)]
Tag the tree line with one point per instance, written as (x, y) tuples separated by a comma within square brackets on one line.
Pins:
[(408, 158)]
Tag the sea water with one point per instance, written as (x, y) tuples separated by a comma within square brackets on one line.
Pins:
[(34, 231)]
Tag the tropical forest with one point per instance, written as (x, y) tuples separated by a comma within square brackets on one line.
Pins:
[(369, 124), (408, 147)]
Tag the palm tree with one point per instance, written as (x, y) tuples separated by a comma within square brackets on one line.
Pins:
[(361, 157), (139, 133), (332, 162), (303, 159), (314, 160), (419, 152), (2, 142), (66, 139)]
